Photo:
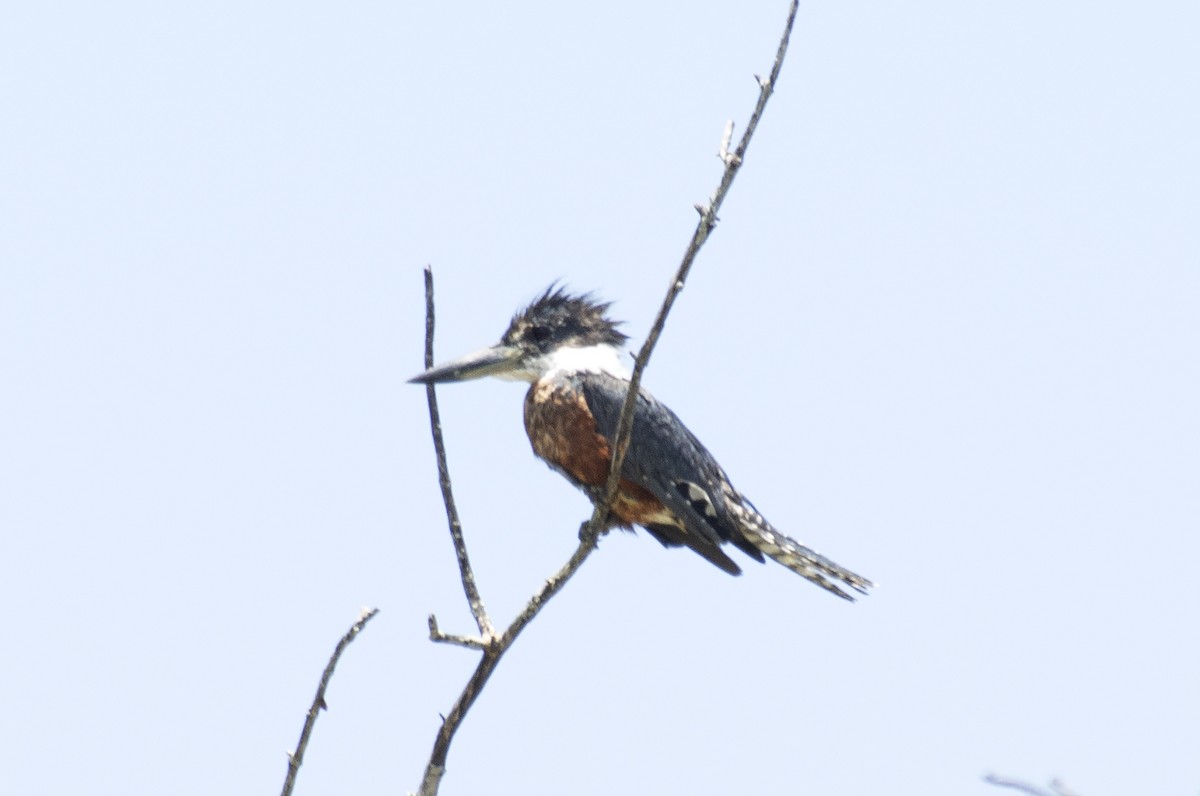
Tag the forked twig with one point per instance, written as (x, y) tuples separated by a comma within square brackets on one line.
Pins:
[(486, 631), (491, 646)]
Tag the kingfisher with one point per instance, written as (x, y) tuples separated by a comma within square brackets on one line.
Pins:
[(570, 352)]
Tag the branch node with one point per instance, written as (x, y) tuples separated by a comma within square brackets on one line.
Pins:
[(481, 643), (728, 157)]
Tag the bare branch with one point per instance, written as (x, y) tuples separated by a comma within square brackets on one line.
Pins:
[(492, 654), (460, 546), (708, 219), (493, 648), (297, 757)]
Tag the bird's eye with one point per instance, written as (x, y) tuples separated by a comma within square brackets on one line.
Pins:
[(540, 334)]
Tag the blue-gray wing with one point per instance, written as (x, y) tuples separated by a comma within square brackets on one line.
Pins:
[(667, 459)]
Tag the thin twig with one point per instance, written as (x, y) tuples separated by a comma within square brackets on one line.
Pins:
[(318, 704), (495, 647), (589, 531), (460, 546), (708, 219), (1057, 787)]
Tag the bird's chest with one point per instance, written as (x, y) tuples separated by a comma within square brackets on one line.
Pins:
[(562, 431)]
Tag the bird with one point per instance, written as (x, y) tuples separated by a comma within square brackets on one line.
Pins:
[(569, 350)]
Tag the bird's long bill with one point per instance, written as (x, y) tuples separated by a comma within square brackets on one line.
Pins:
[(494, 361)]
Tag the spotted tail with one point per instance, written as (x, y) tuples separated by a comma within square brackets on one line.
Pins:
[(805, 562)]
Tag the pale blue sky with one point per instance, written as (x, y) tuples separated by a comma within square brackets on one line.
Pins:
[(946, 333)]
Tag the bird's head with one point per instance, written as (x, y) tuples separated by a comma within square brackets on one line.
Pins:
[(557, 332)]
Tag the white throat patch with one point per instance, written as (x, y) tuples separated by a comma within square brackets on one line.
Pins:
[(589, 359)]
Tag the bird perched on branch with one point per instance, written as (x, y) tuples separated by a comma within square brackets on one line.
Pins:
[(570, 352)]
